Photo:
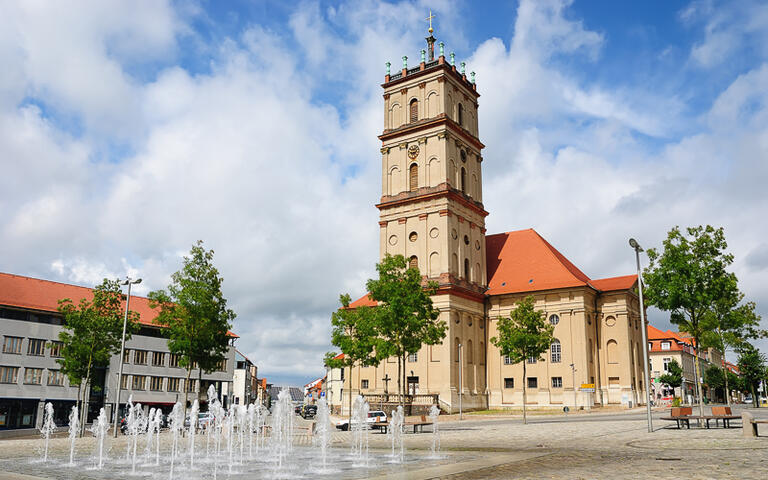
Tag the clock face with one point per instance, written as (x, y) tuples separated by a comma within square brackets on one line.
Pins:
[(413, 151)]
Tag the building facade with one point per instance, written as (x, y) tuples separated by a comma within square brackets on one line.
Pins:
[(30, 376), (431, 212)]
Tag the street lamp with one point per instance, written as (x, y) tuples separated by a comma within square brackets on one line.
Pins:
[(646, 383), (128, 282), (573, 381)]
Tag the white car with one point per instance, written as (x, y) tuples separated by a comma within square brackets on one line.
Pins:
[(373, 417)]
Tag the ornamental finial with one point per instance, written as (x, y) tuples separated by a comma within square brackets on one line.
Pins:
[(429, 19)]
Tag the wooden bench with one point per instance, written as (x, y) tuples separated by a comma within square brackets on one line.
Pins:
[(721, 413), (417, 423), (680, 415), (749, 424)]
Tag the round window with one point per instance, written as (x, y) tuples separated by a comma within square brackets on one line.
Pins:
[(434, 233), (477, 244), (454, 234), (413, 236), (554, 319), (610, 321), (393, 240), (466, 240)]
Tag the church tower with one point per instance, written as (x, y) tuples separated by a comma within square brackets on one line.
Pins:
[(431, 212)]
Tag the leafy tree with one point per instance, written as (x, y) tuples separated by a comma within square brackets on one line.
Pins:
[(93, 331), (674, 376), (715, 380), (405, 318), (195, 316), (687, 279), (524, 334), (353, 331), (752, 368)]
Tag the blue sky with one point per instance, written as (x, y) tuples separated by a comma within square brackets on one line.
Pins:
[(128, 130)]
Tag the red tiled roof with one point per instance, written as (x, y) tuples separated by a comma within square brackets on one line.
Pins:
[(339, 356), (44, 295), (624, 282), (656, 334), (364, 301)]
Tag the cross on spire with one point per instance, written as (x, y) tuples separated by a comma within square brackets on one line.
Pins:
[(429, 19)]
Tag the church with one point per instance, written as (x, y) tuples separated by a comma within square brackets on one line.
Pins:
[(431, 212)]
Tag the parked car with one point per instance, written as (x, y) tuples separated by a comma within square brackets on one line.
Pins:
[(747, 399), (202, 420), (309, 411), (374, 416), (297, 409)]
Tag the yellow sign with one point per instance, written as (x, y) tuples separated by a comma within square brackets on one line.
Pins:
[(587, 385)]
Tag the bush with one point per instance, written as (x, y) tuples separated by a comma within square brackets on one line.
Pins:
[(676, 402)]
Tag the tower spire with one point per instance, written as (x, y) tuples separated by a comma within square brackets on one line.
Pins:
[(430, 39)]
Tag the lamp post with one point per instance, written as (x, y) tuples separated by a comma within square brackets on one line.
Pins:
[(636, 246), (128, 282), (461, 384), (573, 380)]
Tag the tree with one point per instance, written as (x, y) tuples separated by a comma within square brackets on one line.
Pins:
[(195, 316), (674, 376), (687, 278), (752, 368), (405, 318), (93, 331), (524, 334), (353, 331), (715, 380)]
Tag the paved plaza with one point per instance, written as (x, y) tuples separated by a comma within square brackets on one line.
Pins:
[(580, 446)]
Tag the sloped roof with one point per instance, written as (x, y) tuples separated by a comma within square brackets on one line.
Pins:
[(624, 282), (656, 334), (364, 301), (523, 261), (44, 295)]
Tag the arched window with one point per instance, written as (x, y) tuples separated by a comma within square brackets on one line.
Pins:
[(463, 180), (456, 349), (414, 110), (413, 175), (466, 269), (455, 264), (612, 351), (470, 358), (555, 351), (413, 262), (461, 115)]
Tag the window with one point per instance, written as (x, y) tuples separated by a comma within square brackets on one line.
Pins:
[(667, 361), (507, 360), (55, 378), (56, 349), (364, 384), (12, 345), (9, 374), (557, 382), (138, 382), (222, 366), (613, 381), (509, 383), (173, 384), (461, 114), (666, 345), (413, 262), (591, 352), (555, 351), (127, 355), (533, 382), (650, 346), (466, 269), (456, 345), (124, 382), (554, 319), (413, 177), (36, 346), (612, 351), (156, 384), (413, 357), (413, 236), (470, 356), (463, 156), (466, 240), (191, 386), (33, 376), (414, 110), (463, 180), (531, 360), (158, 359), (173, 360), (140, 357)]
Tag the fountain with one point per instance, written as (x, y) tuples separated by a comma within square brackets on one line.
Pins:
[(434, 413), (395, 433), (281, 440), (251, 416), (176, 425), (49, 426), (74, 429), (193, 419), (322, 431), (99, 429), (359, 426), (242, 417), (136, 424)]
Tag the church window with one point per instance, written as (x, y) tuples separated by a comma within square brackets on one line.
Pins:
[(470, 358), (414, 110), (413, 174), (554, 319), (455, 264), (461, 115), (464, 156), (612, 351), (466, 269), (555, 351), (413, 236), (466, 240), (413, 262), (463, 180)]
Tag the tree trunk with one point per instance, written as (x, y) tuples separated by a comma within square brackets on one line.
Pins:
[(525, 418), (405, 384), (186, 391), (351, 371), (697, 373), (399, 389), (200, 385), (84, 405)]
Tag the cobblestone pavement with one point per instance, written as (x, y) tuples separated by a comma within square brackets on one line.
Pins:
[(497, 448)]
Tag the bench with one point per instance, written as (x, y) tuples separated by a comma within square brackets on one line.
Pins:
[(417, 423), (749, 424), (721, 413), (680, 415)]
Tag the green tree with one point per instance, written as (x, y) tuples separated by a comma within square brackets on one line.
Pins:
[(752, 368), (524, 334), (405, 318), (353, 331), (674, 376), (93, 330), (687, 278), (715, 380), (195, 316)]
